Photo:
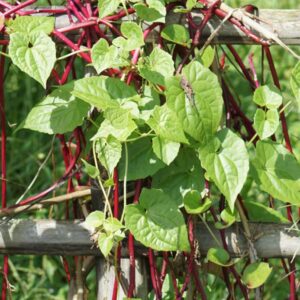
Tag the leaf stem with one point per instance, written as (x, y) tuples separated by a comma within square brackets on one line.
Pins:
[(125, 182), (100, 181)]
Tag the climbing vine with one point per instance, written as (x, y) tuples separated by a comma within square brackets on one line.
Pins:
[(162, 136)]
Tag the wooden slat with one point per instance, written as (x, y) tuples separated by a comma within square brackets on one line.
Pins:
[(73, 238), (286, 23)]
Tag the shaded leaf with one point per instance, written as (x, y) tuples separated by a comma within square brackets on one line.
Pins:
[(142, 160), (193, 203), (91, 170), (219, 256)]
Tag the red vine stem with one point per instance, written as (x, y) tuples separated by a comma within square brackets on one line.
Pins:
[(154, 277)]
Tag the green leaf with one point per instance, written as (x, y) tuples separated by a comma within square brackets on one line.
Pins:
[(165, 150), (142, 160), (109, 152), (206, 57), (34, 54), (256, 274), (105, 56), (259, 212), (154, 11), (183, 175), (277, 172), (103, 92), (118, 123), (266, 123), (190, 4), (149, 100), (133, 37), (295, 84), (157, 66), (196, 98), (219, 256), (227, 217), (31, 25), (95, 219), (107, 7), (105, 243), (268, 95), (156, 222), (166, 125), (59, 112), (91, 170), (193, 203), (112, 225), (227, 167), (176, 33)]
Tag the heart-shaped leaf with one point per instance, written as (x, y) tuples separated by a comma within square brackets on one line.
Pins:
[(256, 274), (34, 54), (268, 95), (219, 256), (157, 223)]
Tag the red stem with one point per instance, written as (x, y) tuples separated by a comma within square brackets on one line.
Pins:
[(154, 277), (18, 7)]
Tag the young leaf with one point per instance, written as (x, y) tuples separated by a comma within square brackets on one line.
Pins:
[(219, 256), (133, 37), (206, 57), (107, 7), (183, 175), (268, 95), (228, 218), (166, 125), (105, 56), (112, 225), (95, 219), (266, 123), (157, 66), (259, 212), (142, 161), (196, 98), (176, 33), (256, 274), (59, 112), (103, 92), (30, 25), (154, 11), (227, 167), (34, 54), (118, 123), (156, 222), (105, 243), (164, 149), (91, 170), (277, 172), (109, 152), (193, 203)]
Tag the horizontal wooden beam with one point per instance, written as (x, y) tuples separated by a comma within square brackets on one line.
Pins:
[(285, 23), (73, 238)]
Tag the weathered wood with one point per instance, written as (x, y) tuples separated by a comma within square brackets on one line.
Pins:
[(73, 238), (285, 23)]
